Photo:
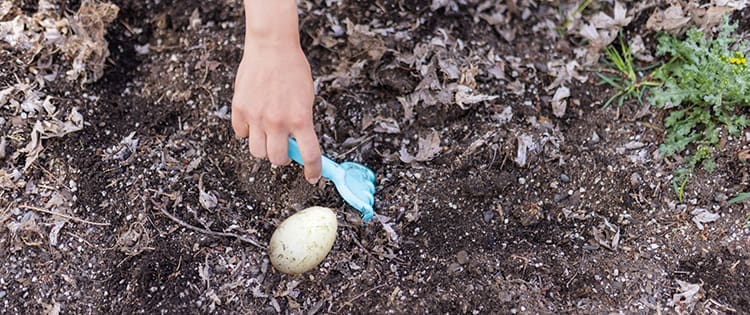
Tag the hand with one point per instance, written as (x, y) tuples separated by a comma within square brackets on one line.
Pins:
[(273, 99)]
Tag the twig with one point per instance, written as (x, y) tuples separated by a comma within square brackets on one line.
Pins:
[(349, 303), (365, 140), (62, 215), (81, 239), (209, 232)]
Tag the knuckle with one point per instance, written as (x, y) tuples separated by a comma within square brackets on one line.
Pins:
[(253, 116), (279, 160), (273, 120), (298, 122), (311, 157)]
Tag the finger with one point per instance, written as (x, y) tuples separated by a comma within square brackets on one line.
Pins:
[(257, 142), (277, 147), (239, 125), (310, 150)]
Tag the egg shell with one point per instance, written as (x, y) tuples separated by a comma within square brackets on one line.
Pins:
[(303, 240)]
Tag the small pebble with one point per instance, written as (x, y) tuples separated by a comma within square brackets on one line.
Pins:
[(2, 294), (521, 180), (560, 197), (454, 267), (488, 216), (595, 138), (720, 198), (462, 257), (564, 178), (635, 179), (632, 145)]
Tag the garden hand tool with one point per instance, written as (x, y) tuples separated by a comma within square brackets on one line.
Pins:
[(354, 182)]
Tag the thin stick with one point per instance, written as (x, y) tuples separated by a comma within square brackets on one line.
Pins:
[(82, 239), (209, 232), (62, 215), (349, 303)]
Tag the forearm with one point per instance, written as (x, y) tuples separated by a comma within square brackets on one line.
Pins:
[(271, 23)]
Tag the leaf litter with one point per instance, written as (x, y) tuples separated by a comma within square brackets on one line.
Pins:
[(445, 68)]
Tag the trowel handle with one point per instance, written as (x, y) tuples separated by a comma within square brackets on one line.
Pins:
[(331, 169)]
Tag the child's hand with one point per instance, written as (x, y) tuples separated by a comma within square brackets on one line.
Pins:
[(273, 98)]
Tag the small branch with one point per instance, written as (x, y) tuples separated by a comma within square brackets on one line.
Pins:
[(209, 232), (349, 303), (62, 215)]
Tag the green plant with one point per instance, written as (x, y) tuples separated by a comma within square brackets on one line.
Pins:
[(626, 80), (740, 198), (705, 80)]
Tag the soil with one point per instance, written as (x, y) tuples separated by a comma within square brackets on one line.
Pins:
[(467, 231)]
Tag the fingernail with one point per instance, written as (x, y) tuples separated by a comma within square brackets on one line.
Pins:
[(314, 180)]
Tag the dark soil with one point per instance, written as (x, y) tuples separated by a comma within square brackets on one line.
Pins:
[(477, 232)]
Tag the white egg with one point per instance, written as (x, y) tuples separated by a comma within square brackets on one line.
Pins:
[(303, 240)]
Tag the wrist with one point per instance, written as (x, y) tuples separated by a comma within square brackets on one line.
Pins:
[(271, 24)]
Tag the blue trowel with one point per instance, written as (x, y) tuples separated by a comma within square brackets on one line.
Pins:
[(354, 182)]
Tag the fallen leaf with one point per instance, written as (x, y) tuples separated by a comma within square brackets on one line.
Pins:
[(3, 145), (429, 147), (407, 103), (122, 150), (504, 116), (686, 297), (55, 232), (52, 309), (388, 227), (607, 234), (564, 72), (638, 49), (744, 155), (673, 20), (701, 216), (558, 101), (465, 96), (87, 47), (386, 125), (525, 144), (207, 199), (8, 179)]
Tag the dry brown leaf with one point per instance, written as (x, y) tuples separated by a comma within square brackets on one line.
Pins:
[(429, 147), (122, 150), (602, 29), (56, 128), (3, 145), (28, 223), (407, 103), (362, 38), (52, 309), (638, 48), (558, 101), (206, 198), (8, 178), (5, 8), (466, 96), (673, 20), (87, 47), (564, 72), (525, 144), (687, 296), (386, 125), (744, 155), (450, 5), (50, 129), (706, 17)]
